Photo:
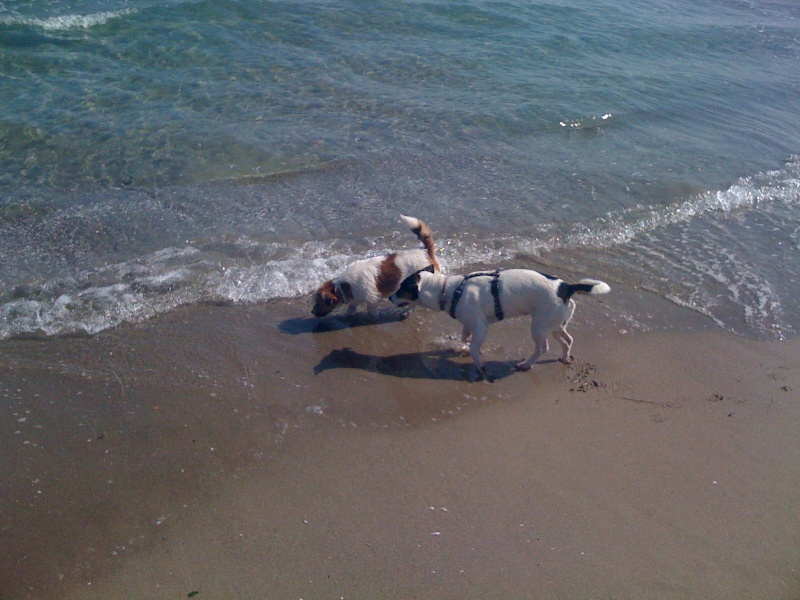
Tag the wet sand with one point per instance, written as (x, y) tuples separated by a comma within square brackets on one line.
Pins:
[(251, 452)]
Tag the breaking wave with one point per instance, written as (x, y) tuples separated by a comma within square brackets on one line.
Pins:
[(247, 271), (65, 22)]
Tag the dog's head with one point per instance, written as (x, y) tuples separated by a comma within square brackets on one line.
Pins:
[(408, 291), (326, 299)]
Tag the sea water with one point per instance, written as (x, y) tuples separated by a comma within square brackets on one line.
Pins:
[(158, 153)]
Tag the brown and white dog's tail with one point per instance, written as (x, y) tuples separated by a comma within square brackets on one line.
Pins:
[(423, 232)]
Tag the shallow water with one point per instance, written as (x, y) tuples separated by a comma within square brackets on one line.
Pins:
[(161, 153)]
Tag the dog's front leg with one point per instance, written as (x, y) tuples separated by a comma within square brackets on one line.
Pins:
[(465, 336), (478, 335)]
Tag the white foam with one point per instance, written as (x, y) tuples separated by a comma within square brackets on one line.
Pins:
[(64, 22), (246, 271), (586, 122), (616, 228), (132, 291)]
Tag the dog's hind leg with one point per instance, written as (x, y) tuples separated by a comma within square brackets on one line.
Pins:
[(565, 339), (540, 347)]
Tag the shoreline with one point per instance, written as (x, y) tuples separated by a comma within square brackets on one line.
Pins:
[(253, 452)]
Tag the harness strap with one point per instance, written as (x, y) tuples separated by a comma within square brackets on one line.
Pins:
[(498, 310), (495, 275), (443, 295)]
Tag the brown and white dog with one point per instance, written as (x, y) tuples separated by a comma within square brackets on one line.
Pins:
[(368, 281), (485, 297)]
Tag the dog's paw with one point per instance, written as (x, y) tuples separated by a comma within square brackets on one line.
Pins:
[(522, 366), (477, 374), (404, 312), (567, 361)]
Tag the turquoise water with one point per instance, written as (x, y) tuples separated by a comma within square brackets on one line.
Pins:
[(155, 153)]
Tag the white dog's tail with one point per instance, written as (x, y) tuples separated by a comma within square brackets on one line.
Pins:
[(423, 232), (584, 286)]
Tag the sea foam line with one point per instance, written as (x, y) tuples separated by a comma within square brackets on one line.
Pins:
[(619, 228), (779, 186), (139, 289), (64, 22)]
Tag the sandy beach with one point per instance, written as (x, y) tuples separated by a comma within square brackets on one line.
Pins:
[(252, 452), (177, 177)]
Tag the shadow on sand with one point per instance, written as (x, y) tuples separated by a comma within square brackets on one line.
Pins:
[(301, 325), (435, 364)]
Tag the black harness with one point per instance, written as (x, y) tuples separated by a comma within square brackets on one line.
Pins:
[(495, 286)]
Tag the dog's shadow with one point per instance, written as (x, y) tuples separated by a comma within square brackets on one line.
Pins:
[(434, 364), (302, 325)]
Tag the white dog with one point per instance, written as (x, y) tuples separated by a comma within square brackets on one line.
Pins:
[(368, 281), (485, 297)]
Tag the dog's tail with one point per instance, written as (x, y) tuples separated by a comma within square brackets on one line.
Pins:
[(584, 286), (423, 232)]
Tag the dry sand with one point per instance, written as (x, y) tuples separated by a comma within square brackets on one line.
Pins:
[(248, 452)]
